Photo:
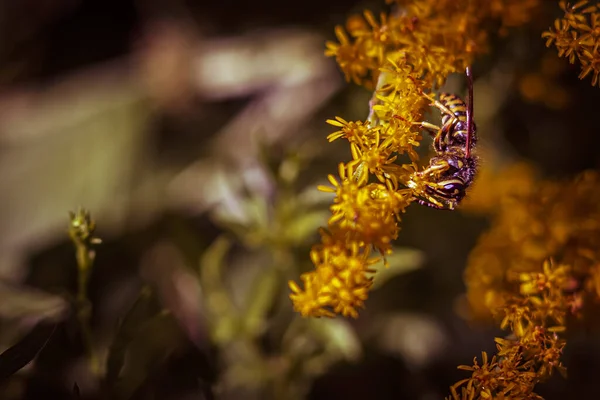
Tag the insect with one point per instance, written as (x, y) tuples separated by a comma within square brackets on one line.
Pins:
[(443, 184)]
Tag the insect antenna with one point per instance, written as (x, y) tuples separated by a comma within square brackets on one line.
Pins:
[(469, 110)]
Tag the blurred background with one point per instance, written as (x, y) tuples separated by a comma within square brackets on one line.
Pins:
[(194, 133)]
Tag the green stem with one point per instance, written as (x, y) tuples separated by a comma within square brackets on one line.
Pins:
[(85, 261), (282, 260)]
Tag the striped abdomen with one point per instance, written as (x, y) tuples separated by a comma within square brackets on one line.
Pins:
[(454, 124)]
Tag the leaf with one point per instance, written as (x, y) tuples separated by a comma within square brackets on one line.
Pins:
[(260, 300), (311, 197), (222, 312), (211, 262), (130, 324), (23, 302), (338, 337), (402, 261), (417, 338), (268, 156), (185, 374), (26, 349), (154, 342), (42, 310), (76, 392), (305, 225)]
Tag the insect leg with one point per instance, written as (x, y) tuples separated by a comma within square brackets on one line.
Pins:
[(432, 205), (429, 127)]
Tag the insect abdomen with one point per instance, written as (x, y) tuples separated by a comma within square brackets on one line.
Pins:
[(455, 105)]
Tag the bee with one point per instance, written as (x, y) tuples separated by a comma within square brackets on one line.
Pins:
[(444, 183)]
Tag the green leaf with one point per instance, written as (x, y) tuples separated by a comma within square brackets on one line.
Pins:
[(338, 337), (23, 302), (305, 225), (260, 300), (417, 338), (155, 340), (211, 266), (312, 197), (403, 260), (140, 311), (221, 310), (26, 349)]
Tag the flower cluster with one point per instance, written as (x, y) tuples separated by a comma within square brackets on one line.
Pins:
[(535, 221), (509, 277), (535, 314), (363, 217), (437, 38), (403, 55), (365, 214), (577, 36)]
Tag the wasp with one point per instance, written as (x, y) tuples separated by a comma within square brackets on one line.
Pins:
[(444, 183)]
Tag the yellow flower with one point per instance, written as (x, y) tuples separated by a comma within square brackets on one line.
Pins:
[(340, 282), (346, 204), (354, 132), (404, 55), (353, 62), (531, 224), (577, 37), (551, 276), (310, 302), (377, 160), (513, 13), (369, 214)]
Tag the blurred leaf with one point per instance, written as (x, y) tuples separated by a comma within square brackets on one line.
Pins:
[(338, 337), (257, 211), (139, 312), (46, 143), (155, 340), (305, 225), (187, 374), (76, 392), (247, 212), (237, 229), (315, 345), (289, 169), (21, 302), (310, 196), (260, 300), (417, 338), (222, 311), (268, 156), (402, 261), (26, 349), (211, 263)]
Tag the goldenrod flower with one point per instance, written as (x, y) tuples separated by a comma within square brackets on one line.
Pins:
[(340, 282), (510, 276), (542, 221), (577, 37), (376, 160), (550, 277), (404, 55), (346, 203), (354, 132), (533, 351), (355, 64), (512, 13), (368, 214)]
